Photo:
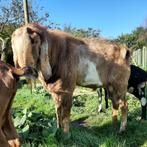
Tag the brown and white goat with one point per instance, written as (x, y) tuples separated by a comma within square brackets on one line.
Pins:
[(63, 62)]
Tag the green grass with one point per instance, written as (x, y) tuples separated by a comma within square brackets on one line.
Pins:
[(35, 120)]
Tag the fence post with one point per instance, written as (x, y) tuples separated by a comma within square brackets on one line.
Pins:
[(26, 11)]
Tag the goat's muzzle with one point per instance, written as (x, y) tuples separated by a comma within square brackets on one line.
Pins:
[(30, 72)]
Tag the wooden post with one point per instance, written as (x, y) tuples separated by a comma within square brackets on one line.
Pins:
[(26, 11), (4, 49)]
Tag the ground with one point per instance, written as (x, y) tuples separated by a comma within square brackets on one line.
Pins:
[(34, 118)]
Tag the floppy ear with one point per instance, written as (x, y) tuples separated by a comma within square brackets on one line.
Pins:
[(44, 60), (125, 52)]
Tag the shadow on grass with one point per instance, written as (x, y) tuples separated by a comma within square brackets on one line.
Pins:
[(79, 122), (107, 135)]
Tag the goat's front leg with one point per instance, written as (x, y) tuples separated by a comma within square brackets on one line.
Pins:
[(144, 107), (99, 91), (143, 113), (106, 98), (63, 103), (10, 131)]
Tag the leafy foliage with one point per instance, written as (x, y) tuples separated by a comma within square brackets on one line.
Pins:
[(33, 126), (135, 40), (12, 16), (82, 33)]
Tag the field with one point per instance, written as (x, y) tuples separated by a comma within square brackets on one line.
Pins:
[(34, 118)]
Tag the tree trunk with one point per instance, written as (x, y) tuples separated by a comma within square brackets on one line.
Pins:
[(4, 49)]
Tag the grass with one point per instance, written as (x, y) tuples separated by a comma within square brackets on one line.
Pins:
[(35, 120)]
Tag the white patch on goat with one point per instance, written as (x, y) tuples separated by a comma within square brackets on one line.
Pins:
[(143, 101), (88, 70)]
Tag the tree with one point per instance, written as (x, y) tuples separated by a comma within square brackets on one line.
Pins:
[(12, 16), (4, 43), (90, 32), (136, 39), (14, 13)]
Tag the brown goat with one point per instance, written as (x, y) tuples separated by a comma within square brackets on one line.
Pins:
[(63, 62), (8, 87)]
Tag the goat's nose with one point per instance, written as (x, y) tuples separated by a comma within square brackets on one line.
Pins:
[(32, 71)]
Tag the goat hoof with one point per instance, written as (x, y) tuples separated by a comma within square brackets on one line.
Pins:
[(61, 135), (14, 142), (121, 133), (99, 111), (122, 130)]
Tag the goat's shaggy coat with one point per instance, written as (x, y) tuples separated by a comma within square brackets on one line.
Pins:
[(64, 62)]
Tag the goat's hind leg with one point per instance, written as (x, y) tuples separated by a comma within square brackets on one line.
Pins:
[(99, 92), (122, 104), (63, 103), (100, 97), (114, 112), (124, 111), (106, 98)]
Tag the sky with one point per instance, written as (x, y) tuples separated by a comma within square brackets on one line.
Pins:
[(112, 17)]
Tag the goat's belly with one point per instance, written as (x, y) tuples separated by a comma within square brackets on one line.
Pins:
[(91, 79), (88, 74)]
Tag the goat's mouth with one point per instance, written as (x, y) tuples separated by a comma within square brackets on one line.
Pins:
[(31, 73)]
